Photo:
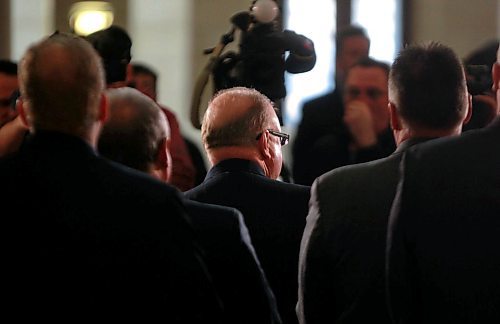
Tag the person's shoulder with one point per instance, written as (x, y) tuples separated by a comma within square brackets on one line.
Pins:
[(207, 210), (473, 144), (345, 177), (321, 100), (130, 182)]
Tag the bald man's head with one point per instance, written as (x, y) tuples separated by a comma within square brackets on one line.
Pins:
[(135, 129), (61, 80), (235, 116)]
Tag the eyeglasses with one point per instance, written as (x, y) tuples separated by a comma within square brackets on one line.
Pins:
[(372, 93), (284, 138)]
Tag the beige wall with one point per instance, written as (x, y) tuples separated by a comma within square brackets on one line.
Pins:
[(460, 24)]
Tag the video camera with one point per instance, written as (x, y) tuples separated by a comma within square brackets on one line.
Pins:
[(261, 61), (266, 52)]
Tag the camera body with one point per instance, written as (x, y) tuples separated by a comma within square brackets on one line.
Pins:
[(265, 53)]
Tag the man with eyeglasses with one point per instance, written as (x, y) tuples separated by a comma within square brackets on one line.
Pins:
[(242, 137), (8, 86), (12, 130), (361, 132)]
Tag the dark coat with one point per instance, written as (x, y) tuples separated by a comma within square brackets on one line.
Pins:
[(88, 238), (275, 213), (342, 260), (444, 232), (231, 260)]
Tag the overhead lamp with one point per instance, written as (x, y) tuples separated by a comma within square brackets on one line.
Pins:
[(86, 17)]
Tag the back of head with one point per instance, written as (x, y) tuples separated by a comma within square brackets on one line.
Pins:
[(134, 130), (61, 81), (427, 85), (113, 45), (234, 118), (8, 67)]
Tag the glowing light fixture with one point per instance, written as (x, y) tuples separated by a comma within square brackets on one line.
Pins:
[(86, 17)]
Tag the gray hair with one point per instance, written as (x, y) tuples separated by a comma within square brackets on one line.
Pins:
[(241, 131)]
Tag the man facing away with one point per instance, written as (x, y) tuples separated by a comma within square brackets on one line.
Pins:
[(89, 237), (242, 137), (341, 275), (443, 259), (137, 134), (183, 175)]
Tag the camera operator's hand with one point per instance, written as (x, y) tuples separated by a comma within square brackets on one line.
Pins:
[(359, 121)]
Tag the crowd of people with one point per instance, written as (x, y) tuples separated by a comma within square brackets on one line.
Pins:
[(393, 214)]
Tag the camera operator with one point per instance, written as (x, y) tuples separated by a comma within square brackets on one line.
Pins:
[(261, 62)]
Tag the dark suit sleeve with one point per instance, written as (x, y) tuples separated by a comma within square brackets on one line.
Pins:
[(401, 267), (313, 301), (301, 151), (256, 280), (233, 264)]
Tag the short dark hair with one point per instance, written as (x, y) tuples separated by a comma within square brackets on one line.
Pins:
[(113, 45), (368, 62), (429, 87), (139, 68), (346, 32), (8, 67)]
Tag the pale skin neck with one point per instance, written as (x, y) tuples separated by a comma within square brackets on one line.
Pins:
[(216, 155), (414, 132)]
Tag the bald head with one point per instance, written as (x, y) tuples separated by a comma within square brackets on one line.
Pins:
[(61, 80), (235, 116), (135, 129)]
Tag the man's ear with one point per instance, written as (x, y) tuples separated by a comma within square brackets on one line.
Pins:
[(264, 145), (394, 117), (162, 160), (103, 108), (23, 108), (495, 75), (468, 114)]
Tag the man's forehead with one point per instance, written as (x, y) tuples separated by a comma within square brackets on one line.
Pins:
[(362, 74)]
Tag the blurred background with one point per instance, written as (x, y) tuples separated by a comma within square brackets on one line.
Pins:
[(170, 36)]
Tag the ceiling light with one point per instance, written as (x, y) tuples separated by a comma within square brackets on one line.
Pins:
[(86, 17)]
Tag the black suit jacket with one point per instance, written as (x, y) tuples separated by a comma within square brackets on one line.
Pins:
[(342, 259), (232, 262), (322, 140), (275, 213), (85, 237), (444, 232)]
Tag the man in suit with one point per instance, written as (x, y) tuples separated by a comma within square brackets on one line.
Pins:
[(322, 116), (362, 132), (137, 134), (242, 136), (183, 170), (341, 275), (443, 259), (89, 237)]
